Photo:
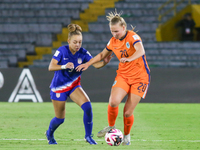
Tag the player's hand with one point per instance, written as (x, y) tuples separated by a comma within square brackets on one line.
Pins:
[(123, 60), (108, 58), (70, 65), (82, 67)]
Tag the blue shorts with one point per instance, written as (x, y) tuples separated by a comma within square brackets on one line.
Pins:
[(62, 96)]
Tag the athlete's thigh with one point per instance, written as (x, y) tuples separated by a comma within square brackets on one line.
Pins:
[(59, 108), (116, 96), (122, 83), (79, 96), (119, 90), (130, 104)]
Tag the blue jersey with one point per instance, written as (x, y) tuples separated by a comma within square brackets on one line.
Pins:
[(64, 80)]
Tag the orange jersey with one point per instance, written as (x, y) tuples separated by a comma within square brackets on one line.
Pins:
[(125, 48)]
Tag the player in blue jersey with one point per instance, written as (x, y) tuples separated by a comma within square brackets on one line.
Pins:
[(66, 83)]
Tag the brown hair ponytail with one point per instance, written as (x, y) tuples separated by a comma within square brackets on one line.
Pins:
[(74, 29)]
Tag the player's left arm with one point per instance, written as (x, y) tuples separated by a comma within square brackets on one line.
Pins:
[(138, 53)]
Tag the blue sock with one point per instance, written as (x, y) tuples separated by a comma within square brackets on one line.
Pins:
[(55, 122), (87, 118)]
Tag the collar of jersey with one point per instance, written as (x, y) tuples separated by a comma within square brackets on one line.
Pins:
[(124, 36)]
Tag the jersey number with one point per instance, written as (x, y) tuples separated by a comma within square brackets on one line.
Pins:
[(70, 70), (142, 87), (124, 53)]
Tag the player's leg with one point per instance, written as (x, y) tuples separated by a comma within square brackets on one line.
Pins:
[(80, 98), (138, 90), (117, 95), (118, 92), (59, 108), (129, 108)]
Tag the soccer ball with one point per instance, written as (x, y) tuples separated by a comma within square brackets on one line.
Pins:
[(1, 80), (114, 137)]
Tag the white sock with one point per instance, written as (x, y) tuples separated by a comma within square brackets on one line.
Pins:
[(127, 136)]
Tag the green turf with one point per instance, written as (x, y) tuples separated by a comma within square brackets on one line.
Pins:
[(156, 126)]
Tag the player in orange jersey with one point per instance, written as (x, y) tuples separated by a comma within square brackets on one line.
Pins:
[(133, 74)]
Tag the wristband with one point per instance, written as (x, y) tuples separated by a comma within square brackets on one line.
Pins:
[(63, 67)]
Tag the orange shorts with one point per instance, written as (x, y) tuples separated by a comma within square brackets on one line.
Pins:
[(136, 86)]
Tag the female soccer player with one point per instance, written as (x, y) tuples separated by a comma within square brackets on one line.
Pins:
[(66, 82), (133, 74)]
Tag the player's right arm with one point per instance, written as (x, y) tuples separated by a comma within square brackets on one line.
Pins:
[(96, 59), (105, 61), (53, 66)]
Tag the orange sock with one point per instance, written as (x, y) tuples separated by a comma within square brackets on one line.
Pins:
[(128, 122), (112, 115)]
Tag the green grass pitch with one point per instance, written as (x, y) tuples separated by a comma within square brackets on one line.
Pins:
[(156, 126)]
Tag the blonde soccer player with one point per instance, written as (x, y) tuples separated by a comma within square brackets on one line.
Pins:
[(133, 74)]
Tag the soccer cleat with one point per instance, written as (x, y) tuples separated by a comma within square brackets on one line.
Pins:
[(103, 132), (90, 140), (126, 140), (50, 140)]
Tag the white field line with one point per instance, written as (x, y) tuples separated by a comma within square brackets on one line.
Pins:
[(195, 141)]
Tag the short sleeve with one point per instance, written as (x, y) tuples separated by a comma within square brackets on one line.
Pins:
[(88, 56), (58, 55), (135, 38), (109, 46)]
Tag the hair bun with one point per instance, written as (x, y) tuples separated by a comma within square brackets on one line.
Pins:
[(74, 28)]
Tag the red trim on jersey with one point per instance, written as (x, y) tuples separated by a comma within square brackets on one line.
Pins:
[(68, 88)]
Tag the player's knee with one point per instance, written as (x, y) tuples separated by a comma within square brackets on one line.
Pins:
[(87, 108), (127, 114), (113, 103), (88, 111)]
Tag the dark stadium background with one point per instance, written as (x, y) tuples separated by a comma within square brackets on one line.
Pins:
[(32, 30), (168, 85)]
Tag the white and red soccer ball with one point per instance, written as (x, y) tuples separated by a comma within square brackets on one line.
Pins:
[(114, 137)]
